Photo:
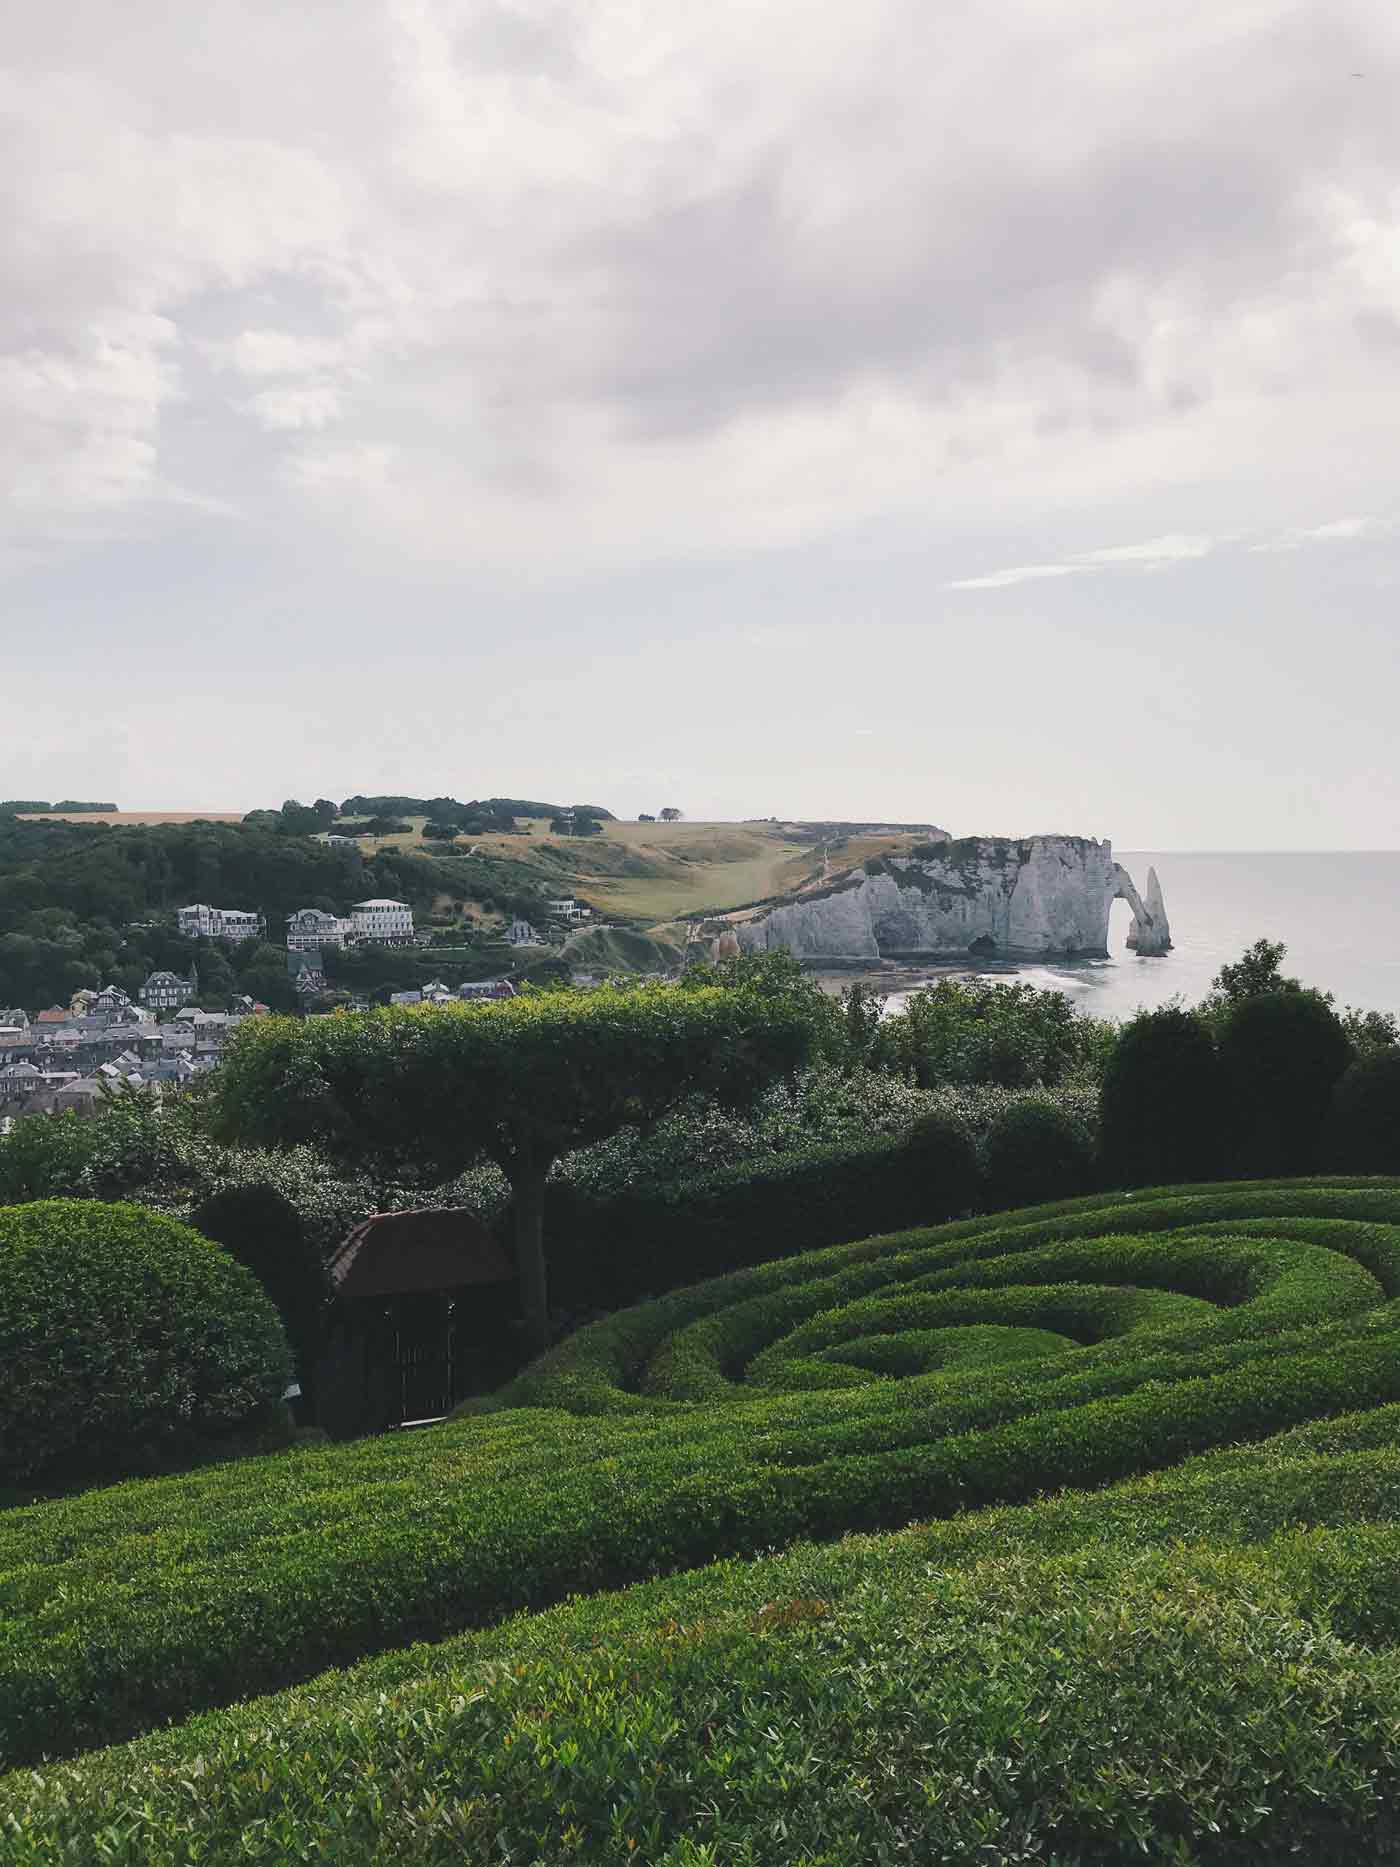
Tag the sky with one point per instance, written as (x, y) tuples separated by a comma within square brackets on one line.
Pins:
[(975, 414)]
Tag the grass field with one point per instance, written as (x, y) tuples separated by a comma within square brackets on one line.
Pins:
[(658, 871), (133, 816), (1149, 1608)]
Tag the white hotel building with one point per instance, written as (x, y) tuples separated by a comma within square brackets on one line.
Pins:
[(369, 923), (389, 923)]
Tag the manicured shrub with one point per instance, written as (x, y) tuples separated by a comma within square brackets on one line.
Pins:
[(1362, 1131), (1162, 1103), (121, 1333), (610, 1252), (1035, 1151), (264, 1231), (860, 1703), (1283, 1053), (1078, 1344)]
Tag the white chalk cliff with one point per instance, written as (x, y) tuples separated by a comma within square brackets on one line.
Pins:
[(984, 896)]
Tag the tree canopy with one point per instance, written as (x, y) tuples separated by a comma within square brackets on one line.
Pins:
[(523, 1081)]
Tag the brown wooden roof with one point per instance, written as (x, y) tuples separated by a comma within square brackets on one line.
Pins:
[(438, 1248)]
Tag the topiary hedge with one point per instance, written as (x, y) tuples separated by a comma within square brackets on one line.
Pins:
[(1036, 1150), (900, 1379), (608, 1252), (1162, 1103), (121, 1333), (1362, 1131), (1282, 1053)]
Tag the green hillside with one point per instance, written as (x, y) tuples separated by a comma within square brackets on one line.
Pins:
[(1148, 1608)]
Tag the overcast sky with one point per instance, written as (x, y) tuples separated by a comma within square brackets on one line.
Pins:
[(984, 412)]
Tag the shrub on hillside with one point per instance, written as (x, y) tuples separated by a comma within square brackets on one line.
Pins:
[(263, 1230), (123, 1333), (1162, 1102), (1362, 1131), (1035, 1151), (1282, 1054)]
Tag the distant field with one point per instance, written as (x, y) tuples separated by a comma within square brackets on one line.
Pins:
[(132, 816), (649, 871)]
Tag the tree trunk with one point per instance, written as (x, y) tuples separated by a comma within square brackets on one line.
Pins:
[(528, 1201)]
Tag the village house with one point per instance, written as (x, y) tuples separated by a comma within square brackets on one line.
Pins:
[(521, 933), (568, 909), (167, 991), (201, 922), (309, 929)]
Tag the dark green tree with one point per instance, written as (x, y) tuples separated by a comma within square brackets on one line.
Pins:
[(1162, 1103), (1283, 1053), (1362, 1130), (524, 1081), (1255, 974)]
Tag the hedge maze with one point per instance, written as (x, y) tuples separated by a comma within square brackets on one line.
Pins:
[(1127, 1584)]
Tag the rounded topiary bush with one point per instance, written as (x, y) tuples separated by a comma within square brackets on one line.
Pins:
[(1282, 1053), (1162, 1103), (1036, 1151), (941, 1162), (1362, 1131), (123, 1333)]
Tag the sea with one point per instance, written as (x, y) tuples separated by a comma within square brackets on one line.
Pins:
[(1337, 912)]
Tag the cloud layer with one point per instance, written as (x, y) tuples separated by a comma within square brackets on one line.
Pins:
[(441, 276)]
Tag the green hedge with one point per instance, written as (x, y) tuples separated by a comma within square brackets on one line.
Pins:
[(607, 1252), (123, 1333), (1068, 1682), (1196, 1318)]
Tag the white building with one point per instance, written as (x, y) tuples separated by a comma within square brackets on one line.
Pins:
[(570, 910), (309, 929), (387, 922), (201, 922)]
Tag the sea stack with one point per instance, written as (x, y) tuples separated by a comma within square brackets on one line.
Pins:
[(1150, 933)]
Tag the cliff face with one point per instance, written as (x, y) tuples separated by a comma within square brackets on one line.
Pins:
[(980, 896)]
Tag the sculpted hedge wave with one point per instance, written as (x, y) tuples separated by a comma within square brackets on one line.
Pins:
[(860, 1388)]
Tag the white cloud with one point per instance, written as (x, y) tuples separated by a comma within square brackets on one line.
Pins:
[(618, 274), (1337, 531), (1022, 573), (1174, 548), (1152, 554), (287, 410)]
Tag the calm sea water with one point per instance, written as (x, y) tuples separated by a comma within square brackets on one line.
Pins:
[(1338, 914)]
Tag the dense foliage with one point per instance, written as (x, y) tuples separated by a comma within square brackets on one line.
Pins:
[(977, 1031), (653, 1238), (1282, 1053), (1362, 1132), (121, 1331), (263, 1230), (915, 1376), (85, 904), (1036, 1150), (1163, 1104)]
